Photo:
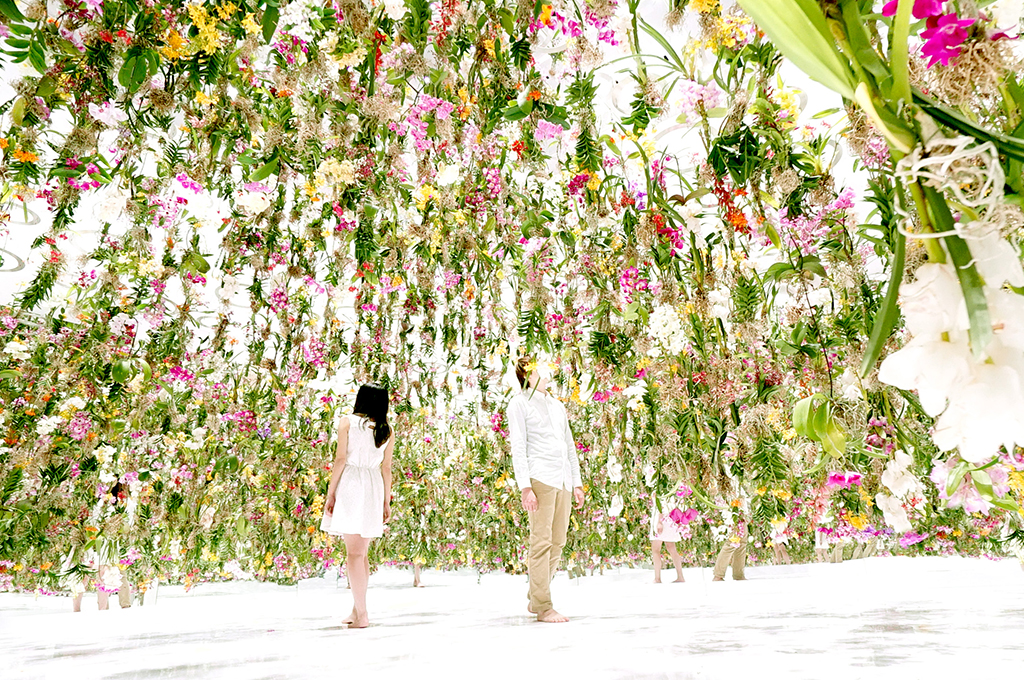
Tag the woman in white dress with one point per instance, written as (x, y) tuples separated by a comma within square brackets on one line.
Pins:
[(359, 496)]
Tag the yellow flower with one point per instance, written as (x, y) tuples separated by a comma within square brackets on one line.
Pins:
[(423, 195), (226, 10), (704, 6), (202, 99), (174, 45), (250, 25)]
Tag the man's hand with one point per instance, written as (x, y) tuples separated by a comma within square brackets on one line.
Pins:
[(577, 493), (529, 500)]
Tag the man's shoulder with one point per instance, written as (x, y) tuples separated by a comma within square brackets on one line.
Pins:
[(518, 399)]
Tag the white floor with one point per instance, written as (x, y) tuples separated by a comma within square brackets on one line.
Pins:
[(878, 618)]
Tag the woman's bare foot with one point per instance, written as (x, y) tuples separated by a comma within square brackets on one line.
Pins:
[(551, 616), (657, 579), (360, 622), (680, 580), (417, 584), (348, 620)]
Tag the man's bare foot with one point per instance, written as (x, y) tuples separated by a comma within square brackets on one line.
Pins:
[(551, 616), (718, 578), (680, 580)]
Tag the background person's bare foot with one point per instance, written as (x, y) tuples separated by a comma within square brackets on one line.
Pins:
[(551, 616), (657, 580), (680, 580)]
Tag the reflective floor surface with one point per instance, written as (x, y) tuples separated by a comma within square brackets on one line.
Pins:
[(878, 618)]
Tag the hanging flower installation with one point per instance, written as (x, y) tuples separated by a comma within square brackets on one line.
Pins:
[(252, 207)]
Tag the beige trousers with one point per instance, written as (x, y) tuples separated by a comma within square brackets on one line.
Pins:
[(735, 553), (549, 524)]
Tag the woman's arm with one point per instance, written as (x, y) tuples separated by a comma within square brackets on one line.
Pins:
[(385, 471), (340, 457)]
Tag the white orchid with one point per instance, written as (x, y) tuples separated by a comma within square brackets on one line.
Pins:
[(108, 114), (614, 470), (894, 512), (447, 174), (616, 507), (17, 350), (984, 414), (252, 202)]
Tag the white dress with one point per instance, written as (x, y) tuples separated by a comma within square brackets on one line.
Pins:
[(359, 499), (669, 529)]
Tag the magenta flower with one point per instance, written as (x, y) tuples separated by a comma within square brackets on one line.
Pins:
[(922, 8), (943, 38)]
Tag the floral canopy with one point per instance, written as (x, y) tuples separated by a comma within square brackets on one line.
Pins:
[(768, 250)]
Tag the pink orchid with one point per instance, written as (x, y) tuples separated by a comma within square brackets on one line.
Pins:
[(943, 38), (922, 8)]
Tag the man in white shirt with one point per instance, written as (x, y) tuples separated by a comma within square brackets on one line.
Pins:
[(547, 472)]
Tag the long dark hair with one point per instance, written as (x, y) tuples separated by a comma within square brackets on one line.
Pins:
[(372, 404)]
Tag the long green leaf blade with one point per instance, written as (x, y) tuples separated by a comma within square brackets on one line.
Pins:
[(801, 33)]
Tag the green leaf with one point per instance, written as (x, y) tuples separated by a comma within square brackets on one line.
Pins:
[(1011, 146), (665, 45), (9, 374), (121, 371), (834, 439), (10, 10), (265, 171), (46, 87), (514, 113), (956, 476), (507, 21), (885, 318), (1006, 503), (971, 284), (18, 111), (270, 18), (800, 31), (802, 416), (819, 421), (812, 263), (124, 76), (899, 60)]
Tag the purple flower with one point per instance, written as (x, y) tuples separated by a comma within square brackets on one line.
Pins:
[(943, 38), (922, 8)]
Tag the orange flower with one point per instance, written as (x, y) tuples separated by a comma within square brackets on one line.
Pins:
[(4, 143), (533, 96), (25, 156)]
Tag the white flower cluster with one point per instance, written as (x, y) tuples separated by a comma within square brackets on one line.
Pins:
[(667, 327), (905, 488), (978, 396), (980, 399), (295, 18)]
